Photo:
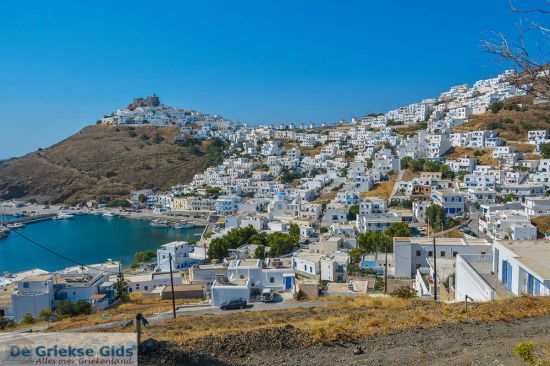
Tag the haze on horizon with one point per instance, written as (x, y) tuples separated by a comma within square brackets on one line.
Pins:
[(64, 64)]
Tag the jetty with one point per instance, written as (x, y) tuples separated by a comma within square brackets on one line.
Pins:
[(31, 219)]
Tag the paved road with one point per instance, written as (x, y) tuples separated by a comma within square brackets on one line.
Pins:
[(257, 306)]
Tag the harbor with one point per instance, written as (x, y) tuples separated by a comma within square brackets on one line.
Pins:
[(87, 239)]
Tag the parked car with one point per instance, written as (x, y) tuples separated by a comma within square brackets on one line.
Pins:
[(233, 304), (267, 295)]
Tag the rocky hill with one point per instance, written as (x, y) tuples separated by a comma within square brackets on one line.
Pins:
[(512, 119), (102, 162)]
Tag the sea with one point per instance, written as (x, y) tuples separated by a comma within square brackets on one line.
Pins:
[(86, 239)]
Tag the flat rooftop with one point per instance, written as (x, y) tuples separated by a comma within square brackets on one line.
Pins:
[(440, 241), (533, 254), (358, 287)]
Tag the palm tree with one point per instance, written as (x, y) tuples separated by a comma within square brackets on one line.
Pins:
[(120, 287)]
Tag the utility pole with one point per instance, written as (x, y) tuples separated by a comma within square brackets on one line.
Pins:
[(386, 267), (435, 269), (386, 260), (172, 285)]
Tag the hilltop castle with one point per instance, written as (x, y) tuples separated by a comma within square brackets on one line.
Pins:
[(150, 101)]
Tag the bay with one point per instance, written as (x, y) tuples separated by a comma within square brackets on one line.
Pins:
[(86, 239)]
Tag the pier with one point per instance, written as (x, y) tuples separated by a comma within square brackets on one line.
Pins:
[(31, 219)]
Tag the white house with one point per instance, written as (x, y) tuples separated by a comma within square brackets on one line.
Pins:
[(412, 253), (537, 206), (180, 251), (451, 200), (33, 294), (523, 266)]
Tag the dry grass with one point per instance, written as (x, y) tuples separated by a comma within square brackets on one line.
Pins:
[(351, 318), (454, 233), (513, 125), (101, 161), (146, 305), (382, 190), (327, 197), (542, 223), (312, 151), (407, 130), (408, 175), (486, 157)]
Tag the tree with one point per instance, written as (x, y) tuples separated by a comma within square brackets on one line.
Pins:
[(82, 307), (545, 150), (64, 308), (46, 314), (28, 319), (399, 229), (259, 253), (280, 244), (353, 212), (355, 254), (294, 231), (142, 198), (530, 62), (120, 287), (373, 242), (508, 198), (213, 191), (435, 215), (144, 256), (218, 248)]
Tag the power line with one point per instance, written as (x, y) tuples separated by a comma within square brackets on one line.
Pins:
[(56, 253)]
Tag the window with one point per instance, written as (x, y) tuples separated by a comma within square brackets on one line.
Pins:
[(145, 288), (271, 279), (25, 285), (483, 253), (418, 253), (430, 253), (455, 254), (442, 253), (241, 277)]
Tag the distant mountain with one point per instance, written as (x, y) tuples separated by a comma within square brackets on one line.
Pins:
[(102, 162)]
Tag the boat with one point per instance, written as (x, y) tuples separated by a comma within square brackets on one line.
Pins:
[(109, 214), (183, 225), (63, 216), (3, 235), (159, 223), (16, 225)]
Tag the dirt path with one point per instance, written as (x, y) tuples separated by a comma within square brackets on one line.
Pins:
[(455, 344)]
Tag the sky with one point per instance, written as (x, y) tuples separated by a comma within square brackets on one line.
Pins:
[(64, 64)]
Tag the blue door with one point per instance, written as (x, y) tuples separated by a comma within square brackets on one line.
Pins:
[(288, 283), (530, 284), (509, 276), (537, 287), (504, 277)]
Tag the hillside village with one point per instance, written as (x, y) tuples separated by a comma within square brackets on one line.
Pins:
[(363, 206)]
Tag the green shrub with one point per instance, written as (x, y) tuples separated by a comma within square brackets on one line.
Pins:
[(82, 307), (524, 351), (28, 319), (403, 292)]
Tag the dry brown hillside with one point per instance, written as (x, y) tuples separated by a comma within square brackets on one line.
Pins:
[(512, 125), (102, 161)]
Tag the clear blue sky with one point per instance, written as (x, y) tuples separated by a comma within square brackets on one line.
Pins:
[(63, 64)]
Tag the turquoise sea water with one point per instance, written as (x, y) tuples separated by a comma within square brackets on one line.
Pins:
[(87, 239)]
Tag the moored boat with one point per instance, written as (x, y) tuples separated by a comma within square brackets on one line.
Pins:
[(183, 225), (159, 223), (63, 216)]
